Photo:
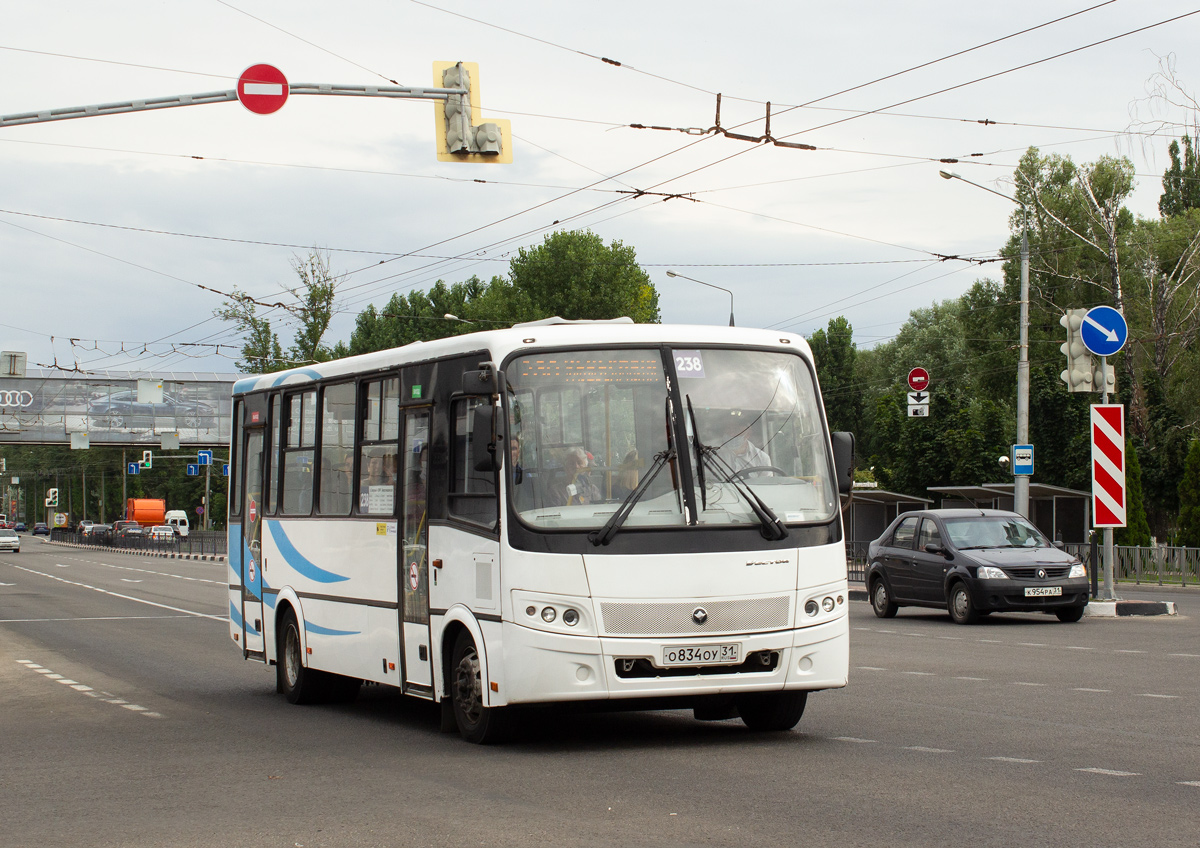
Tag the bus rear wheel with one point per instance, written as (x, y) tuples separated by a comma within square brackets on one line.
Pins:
[(772, 710), (476, 723)]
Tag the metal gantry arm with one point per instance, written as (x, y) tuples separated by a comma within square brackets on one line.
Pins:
[(172, 101)]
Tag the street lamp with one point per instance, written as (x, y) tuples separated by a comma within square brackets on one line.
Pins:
[(711, 286), (1020, 481)]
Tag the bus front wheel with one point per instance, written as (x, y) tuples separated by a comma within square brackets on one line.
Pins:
[(476, 723), (772, 710), (300, 685)]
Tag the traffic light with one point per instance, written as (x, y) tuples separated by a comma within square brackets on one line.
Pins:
[(52, 497), (147, 459), (1104, 378), (1080, 373), (462, 135)]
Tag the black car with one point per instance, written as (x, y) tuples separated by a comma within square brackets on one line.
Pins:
[(127, 530), (122, 410), (41, 529), (973, 562)]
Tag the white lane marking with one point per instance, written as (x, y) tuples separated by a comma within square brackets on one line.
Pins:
[(885, 631), (1110, 772), (1032, 644), (992, 641), (49, 674), (922, 749), (220, 618), (868, 668), (1188, 782), (8, 584), (920, 673), (161, 574), (1020, 760), (1192, 656), (854, 739), (1080, 648), (1151, 695), (1126, 651), (951, 638), (127, 580), (91, 618), (1092, 690), (1023, 683), (976, 679)]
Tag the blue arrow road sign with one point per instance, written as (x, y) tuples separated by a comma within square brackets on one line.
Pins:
[(225, 469), (1104, 330), (193, 470), (134, 468), (205, 457)]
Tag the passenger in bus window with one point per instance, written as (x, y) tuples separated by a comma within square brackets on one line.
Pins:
[(574, 486), (514, 452), (736, 448)]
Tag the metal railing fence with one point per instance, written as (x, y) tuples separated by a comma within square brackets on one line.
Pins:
[(198, 542), (1162, 564)]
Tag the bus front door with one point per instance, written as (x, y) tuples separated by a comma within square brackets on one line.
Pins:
[(414, 554), (252, 585)]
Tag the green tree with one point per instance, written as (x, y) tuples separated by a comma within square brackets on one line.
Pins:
[(573, 275), (1181, 181), (1137, 529), (834, 354), (1188, 533), (312, 310)]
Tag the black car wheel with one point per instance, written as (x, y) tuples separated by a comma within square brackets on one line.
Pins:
[(1070, 614), (960, 605), (881, 600)]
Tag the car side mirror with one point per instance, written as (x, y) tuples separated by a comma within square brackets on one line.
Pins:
[(936, 548), (1060, 544), (843, 461), (485, 438)]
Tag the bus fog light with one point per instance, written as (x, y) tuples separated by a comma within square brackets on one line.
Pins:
[(827, 605), (811, 608), (548, 614), (531, 610), (570, 618), (841, 600)]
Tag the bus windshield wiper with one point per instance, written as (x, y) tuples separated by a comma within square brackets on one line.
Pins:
[(700, 448), (772, 528), (606, 533)]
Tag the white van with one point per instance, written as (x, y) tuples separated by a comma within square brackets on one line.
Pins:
[(178, 519)]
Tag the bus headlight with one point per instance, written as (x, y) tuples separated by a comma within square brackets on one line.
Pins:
[(570, 617), (548, 614), (812, 607)]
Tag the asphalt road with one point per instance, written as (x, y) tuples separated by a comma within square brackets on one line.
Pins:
[(127, 717)]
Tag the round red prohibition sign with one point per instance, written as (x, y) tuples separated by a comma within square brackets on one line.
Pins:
[(414, 576), (262, 89), (253, 512), (918, 379)]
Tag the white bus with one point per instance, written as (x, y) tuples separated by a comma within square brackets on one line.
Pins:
[(634, 515)]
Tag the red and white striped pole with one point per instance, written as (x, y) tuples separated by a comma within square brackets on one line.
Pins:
[(1109, 507)]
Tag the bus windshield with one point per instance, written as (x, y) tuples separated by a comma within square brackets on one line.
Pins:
[(588, 427)]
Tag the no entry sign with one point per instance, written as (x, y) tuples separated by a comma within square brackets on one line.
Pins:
[(262, 89), (1108, 465), (918, 379)]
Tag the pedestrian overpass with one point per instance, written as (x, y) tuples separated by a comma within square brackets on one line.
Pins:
[(117, 408)]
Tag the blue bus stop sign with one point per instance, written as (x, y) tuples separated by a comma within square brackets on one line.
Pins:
[(1104, 331)]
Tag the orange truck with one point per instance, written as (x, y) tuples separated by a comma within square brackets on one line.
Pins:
[(148, 512)]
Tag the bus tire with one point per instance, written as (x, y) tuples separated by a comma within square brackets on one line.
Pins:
[(298, 684), (772, 711), (476, 723)]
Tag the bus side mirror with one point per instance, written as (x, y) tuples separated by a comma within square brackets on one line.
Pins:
[(485, 438), (843, 461), (485, 381)]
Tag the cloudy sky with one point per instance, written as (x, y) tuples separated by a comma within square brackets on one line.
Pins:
[(110, 226)]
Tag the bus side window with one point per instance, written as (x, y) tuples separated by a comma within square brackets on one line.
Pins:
[(472, 492), (299, 450)]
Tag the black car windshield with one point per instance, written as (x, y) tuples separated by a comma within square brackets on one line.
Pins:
[(994, 531)]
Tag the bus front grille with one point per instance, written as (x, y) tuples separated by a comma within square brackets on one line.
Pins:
[(685, 618)]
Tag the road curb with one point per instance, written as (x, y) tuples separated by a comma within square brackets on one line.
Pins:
[(1095, 608), (130, 552)]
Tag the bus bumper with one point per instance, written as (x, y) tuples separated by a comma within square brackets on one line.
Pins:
[(546, 667)]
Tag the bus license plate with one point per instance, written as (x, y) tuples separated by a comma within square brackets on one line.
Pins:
[(686, 655), (1042, 591)]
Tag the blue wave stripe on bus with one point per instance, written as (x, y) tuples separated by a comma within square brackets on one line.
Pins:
[(328, 631), (297, 560), (235, 616), (248, 384)]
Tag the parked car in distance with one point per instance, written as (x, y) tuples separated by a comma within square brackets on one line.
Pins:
[(163, 533), (127, 530), (972, 562), (20, 528), (41, 529), (84, 526), (10, 541), (99, 533)]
